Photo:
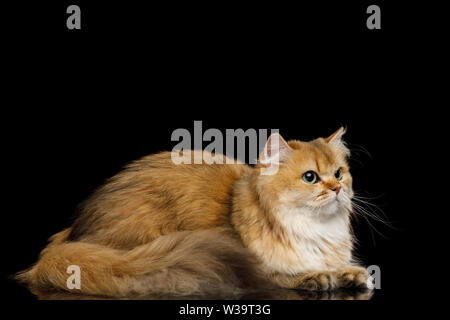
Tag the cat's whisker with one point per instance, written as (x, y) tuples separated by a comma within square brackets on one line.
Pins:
[(371, 210), (371, 230), (367, 197), (367, 213), (374, 212), (362, 214)]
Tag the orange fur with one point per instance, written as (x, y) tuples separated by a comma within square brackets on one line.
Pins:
[(219, 229)]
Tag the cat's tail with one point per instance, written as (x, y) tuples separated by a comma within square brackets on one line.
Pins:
[(210, 262)]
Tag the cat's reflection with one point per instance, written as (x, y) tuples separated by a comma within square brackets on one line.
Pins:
[(341, 294)]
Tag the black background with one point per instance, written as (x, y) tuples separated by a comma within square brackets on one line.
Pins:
[(81, 104)]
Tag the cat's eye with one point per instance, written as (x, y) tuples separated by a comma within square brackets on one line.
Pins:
[(338, 174), (310, 177)]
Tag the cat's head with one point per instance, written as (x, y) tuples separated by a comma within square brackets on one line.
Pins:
[(310, 178)]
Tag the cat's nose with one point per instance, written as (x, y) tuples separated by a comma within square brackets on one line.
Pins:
[(337, 188)]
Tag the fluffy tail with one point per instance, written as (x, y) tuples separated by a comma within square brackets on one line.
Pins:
[(208, 262)]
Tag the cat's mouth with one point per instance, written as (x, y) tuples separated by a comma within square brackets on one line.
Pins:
[(324, 199)]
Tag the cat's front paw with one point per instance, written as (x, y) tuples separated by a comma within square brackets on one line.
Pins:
[(317, 281), (352, 277)]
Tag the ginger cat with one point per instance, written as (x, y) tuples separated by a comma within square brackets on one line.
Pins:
[(213, 229)]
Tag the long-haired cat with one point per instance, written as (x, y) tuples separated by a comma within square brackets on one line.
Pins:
[(213, 229)]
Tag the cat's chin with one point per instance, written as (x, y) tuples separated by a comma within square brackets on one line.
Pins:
[(331, 208)]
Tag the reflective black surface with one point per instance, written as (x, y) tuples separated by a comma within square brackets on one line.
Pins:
[(281, 294)]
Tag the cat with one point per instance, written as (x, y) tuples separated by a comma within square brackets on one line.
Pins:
[(213, 229)]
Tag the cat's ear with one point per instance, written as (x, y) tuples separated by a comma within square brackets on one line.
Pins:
[(275, 150), (336, 138)]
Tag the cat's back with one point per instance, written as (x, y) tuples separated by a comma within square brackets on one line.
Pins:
[(204, 177), (154, 196)]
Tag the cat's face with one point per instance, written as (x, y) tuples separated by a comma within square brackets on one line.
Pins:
[(313, 178)]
